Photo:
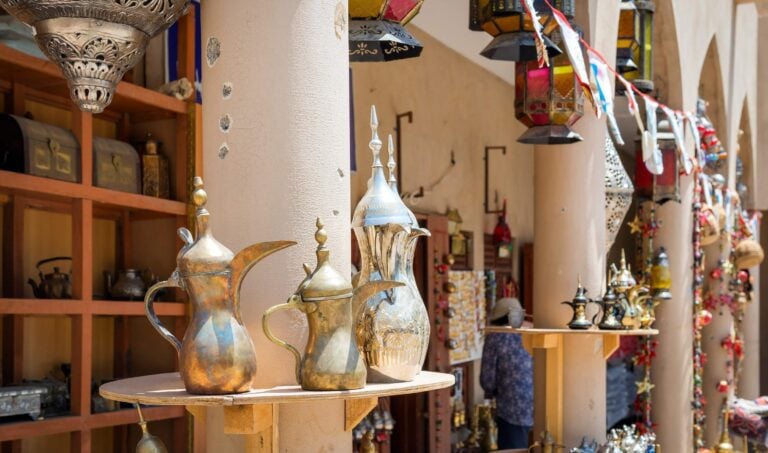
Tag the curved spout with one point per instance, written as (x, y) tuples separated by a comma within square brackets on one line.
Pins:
[(368, 290), (245, 260)]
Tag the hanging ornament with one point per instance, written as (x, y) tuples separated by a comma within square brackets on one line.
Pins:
[(618, 193), (377, 30), (748, 254), (148, 443), (95, 42), (502, 235)]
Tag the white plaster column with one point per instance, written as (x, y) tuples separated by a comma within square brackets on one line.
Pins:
[(672, 370), (569, 231), (749, 380), (287, 163)]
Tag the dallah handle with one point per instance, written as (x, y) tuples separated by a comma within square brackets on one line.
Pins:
[(295, 303), (149, 307)]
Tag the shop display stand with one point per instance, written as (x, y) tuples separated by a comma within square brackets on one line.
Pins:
[(552, 342), (254, 414), (26, 79)]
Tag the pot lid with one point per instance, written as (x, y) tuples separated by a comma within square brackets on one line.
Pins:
[(324, 282)]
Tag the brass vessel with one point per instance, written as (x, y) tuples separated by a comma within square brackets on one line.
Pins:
[(331, 359), (216, 355), (393, 326), (579, 304), (546, 443), (612, 311), (148, 443)]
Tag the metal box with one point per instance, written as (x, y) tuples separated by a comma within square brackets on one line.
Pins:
[(39, 149), (22, 400)]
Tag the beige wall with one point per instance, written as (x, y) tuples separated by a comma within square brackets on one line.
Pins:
[(457, 106)]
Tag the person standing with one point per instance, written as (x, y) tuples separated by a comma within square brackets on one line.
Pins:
[(507, 375)]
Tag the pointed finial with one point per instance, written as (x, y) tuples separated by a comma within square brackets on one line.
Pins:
[(142, 422), (375, 143), (391, 164), (578, 279), (320, 235), (623, 260), (199, 197)]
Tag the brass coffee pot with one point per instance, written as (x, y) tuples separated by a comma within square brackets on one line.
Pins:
[(579, 304), (54, 285), (216, 355), (612, 310), (332, 360)]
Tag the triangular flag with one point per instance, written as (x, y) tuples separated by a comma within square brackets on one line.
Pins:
[(651, 152), (677, 132), (693, 127), (604, 93), (572, 44), (541, 48), (632, 105)]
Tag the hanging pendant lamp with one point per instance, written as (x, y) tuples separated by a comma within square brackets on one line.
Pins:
[(95, 42), (377, 32)]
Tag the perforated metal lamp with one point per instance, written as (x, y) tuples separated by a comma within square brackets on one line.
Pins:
[(377, 32), (549, 100), (668, 183), (95, 42), (512, 28), (634, 53)]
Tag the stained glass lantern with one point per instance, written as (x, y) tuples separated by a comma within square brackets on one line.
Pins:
[(549, 100), (634, 54), (377, 32), (618, 193), (667, 184), (512, 28), (458, 240)]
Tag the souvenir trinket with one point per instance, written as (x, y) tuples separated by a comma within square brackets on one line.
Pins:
[(612, 311), (748, 254), (54, 285), (393, 327), (127, 285), (331, 358), (154, 171), (21, 400), (661, 276), (216, 355), (579, 304), (546, 443), (116, 165), (148, 443)]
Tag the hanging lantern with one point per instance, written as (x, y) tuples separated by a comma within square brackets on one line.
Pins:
[(95, 42), (549, 100), (661, 276), (618, 193), (458, 240), (512, 28), (634, 53), (377, 32), (668, 183)]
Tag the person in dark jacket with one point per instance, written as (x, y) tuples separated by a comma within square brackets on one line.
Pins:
[(507, 375)]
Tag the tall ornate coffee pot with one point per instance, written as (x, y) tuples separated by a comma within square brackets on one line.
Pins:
[(216, 355), (579, 304), (393, 326), (331, 359)]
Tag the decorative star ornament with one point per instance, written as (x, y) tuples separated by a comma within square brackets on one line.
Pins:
[(644, 386), (635, 226)]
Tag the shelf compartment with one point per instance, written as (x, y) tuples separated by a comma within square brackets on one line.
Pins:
[(56, 190), (16, 66), (136, 308), (65, 424)]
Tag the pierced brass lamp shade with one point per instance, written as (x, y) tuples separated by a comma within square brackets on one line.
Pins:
[(95, 42), (377, 32)]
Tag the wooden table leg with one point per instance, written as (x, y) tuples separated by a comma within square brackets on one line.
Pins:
[(257, 422), (356, 409)]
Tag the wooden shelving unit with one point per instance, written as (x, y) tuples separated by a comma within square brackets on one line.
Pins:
[(254, 413), (552, 342), (26, 80)]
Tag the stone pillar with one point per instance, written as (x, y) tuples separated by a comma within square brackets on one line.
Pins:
[(749, 380), (569, 231), (672, 370), (276, 156)]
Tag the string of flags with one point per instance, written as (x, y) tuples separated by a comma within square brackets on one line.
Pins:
[(596, 84)]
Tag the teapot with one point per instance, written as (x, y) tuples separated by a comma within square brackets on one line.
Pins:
[(579, 304), (128, 285), (612, 310), (216, 355), (55, 285), (332, 359)]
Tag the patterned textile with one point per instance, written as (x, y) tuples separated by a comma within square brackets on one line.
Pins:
[(749, 419), (507, 375)]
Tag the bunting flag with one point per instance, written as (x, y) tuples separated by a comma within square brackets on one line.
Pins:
[(706, 188), (632, 105), (541, 48), (604, 93), (651, 152), (572, 44), (677, 132), (700, 157)]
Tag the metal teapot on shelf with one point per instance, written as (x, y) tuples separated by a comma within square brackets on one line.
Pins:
[(216, 355), (612, 311), (127, 285), (579, 304), (54, 285), (332, 360)]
